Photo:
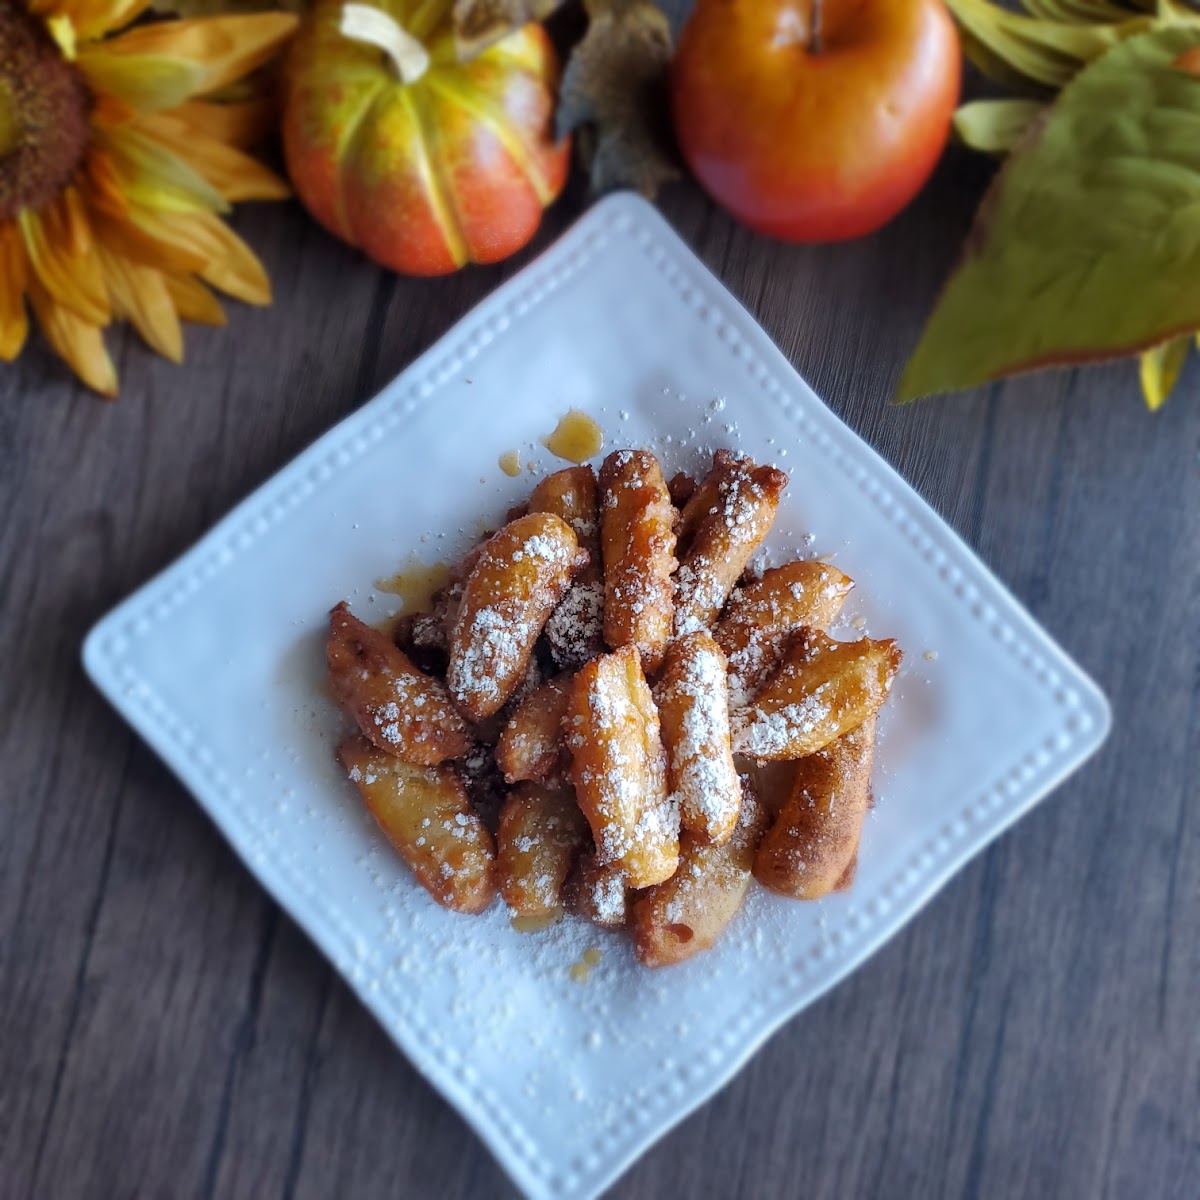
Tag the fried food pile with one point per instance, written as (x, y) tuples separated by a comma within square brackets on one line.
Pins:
[(576, 722)]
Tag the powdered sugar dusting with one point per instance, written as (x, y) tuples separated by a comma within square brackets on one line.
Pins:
[(772, 734), (727, 535), (489, 655), (625, 778), (704, 780), (575, 627), (548, 549), (491, 642), (697, 592), (760, 618)]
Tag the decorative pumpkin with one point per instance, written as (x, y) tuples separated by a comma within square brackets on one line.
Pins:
[(424, 162)]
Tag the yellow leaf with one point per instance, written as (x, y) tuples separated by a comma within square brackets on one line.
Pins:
[(1171, 12), (1087, 246), (1159, 368), (1048, 53), (995, 126), (1076, 11)]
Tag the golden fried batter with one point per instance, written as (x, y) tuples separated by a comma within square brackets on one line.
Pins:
[(811, 847), (521, 574), (822, 689), (761, 616), (604, 797), (426, 814), (541, 831), (686, 914), (532, 744), (637, 532), (619, 768), (398, 708), (724, 523), (575, 630), (693, 708)]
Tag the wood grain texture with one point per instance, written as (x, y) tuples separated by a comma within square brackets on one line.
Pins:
[(165, 1030)]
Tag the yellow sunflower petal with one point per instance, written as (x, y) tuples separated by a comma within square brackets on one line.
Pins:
[(242, 124), (62, 29), (150, 174), (100, 186), (69, 272), (103, 16), (75, 340), (226, 47), (1160, 368), (228, 263), (233, 267), (235, 175), (108, 110), (125, 236), (77, 230), (14, 323), (142, 81), (139, 294), (193, 301)]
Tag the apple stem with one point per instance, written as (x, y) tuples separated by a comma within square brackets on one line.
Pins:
[(814, 34), (365, 23)]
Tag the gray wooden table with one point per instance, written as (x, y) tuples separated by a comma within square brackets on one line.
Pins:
[(166, 1032)]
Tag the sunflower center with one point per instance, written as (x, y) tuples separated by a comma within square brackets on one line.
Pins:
[(43, 114)]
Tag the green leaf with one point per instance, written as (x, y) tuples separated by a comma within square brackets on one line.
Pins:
[(994, 67), (1078, 11), (1159, 368), (1175, 12), (614, 93), (995, 126), (1087, 245), (1048, 53)]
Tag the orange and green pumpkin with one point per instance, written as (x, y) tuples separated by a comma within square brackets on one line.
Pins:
[(424, 162)]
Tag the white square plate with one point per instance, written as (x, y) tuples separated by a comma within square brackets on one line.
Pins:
[(218, 663)]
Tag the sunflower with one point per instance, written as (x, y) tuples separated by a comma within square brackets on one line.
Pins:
[(117, 156)]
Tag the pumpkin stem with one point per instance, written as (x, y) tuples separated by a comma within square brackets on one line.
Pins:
[(364, 23), (814, 37)]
